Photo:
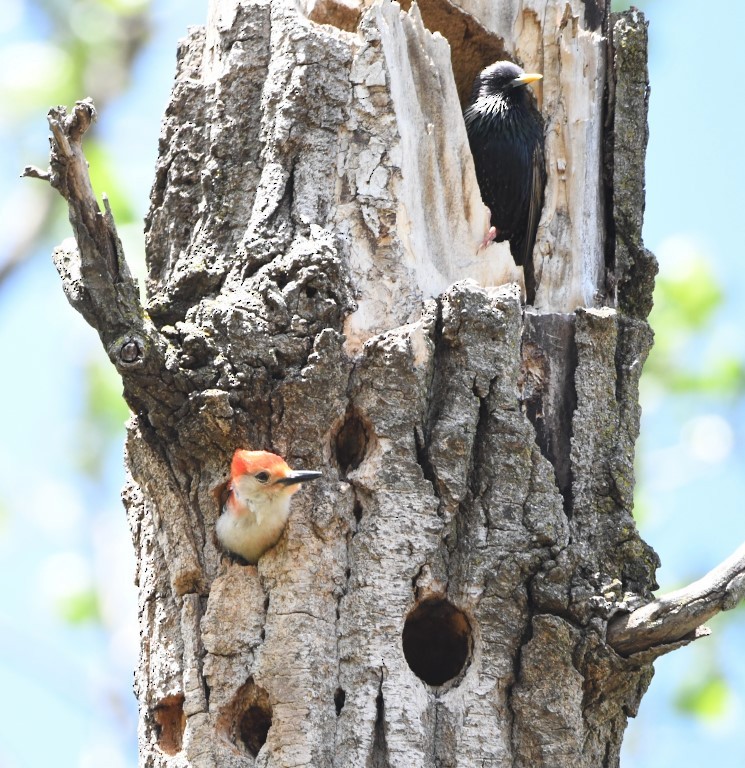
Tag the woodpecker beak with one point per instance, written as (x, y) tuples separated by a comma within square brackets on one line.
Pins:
[(297, 476), (527, 77)]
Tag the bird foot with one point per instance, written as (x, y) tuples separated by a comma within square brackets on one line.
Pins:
[(489, 237)]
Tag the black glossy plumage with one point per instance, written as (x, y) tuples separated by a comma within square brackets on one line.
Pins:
[(505, 131)]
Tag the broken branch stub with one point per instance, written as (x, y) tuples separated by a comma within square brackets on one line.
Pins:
[(678, 616), (94, 272)]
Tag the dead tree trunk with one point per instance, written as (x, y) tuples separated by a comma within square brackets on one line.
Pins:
[(443, 595)]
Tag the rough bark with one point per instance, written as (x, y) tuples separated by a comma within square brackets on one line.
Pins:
[(316, 288)]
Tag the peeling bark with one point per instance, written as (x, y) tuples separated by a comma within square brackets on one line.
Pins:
[(442, 596)]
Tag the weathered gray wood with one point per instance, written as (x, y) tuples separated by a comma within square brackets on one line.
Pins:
[(633, 268)]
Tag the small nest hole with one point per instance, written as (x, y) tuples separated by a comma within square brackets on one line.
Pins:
[(340, 698), (247, 719), (351, 442), (170, 722)]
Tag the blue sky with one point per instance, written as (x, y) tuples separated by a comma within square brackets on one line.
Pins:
[(695, 197), (58, 534)]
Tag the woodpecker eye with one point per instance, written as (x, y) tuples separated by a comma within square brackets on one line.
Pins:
[(262, 477)]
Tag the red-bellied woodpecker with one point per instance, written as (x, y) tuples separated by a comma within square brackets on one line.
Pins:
[(258, 504)]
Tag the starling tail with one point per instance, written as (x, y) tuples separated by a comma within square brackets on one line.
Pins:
[(505, 131)]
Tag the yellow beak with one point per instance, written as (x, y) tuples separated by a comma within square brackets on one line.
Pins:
[(528, 77)]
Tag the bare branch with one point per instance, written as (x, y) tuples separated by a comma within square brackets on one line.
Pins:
[(680, 614), (94, 272), (111, 298)]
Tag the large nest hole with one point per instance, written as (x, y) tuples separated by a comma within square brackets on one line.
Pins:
[(472, 47), (437, 641), (170, 723), (344, 14), (247, 719)]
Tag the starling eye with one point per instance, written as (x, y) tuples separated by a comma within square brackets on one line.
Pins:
[(262, 477)]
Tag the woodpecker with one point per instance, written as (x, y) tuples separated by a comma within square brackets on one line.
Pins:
[(505, 132), (258, 503)]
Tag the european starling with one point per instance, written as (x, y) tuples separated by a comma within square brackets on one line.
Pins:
[(505, 131)]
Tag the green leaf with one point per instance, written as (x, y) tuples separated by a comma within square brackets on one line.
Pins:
[(80, 608), (126, 7), (708, 699), (687, 299), (685, 359)]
